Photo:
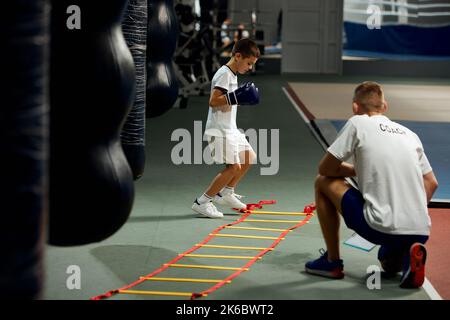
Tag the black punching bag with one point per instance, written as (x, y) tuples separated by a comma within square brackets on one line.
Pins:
[(162, 83), (134, 27), (91, 92), (24, 28)]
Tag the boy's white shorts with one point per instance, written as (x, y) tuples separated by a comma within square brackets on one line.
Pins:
[(227, 149)]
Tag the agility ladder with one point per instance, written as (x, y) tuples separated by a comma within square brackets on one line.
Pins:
[(250, 210)]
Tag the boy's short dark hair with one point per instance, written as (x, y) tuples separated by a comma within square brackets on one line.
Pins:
[(246, 48), (369, 95)]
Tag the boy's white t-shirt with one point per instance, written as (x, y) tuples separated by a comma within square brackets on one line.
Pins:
[(222, 120), (390, 162)]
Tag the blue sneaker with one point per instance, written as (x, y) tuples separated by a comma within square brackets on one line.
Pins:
[(323, 267), (414, 267)]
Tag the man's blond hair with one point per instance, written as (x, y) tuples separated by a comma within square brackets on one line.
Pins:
[(369, 96)]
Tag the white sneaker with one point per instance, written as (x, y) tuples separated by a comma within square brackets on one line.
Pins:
[(229, 200), (207, 209), (238, 196)]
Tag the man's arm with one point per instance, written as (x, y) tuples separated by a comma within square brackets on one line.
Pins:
[(332, 167), (431, 184)]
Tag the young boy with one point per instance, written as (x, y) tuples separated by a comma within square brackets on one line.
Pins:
[(227, 144), (395, 183)]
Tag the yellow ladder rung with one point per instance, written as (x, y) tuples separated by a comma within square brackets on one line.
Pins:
[(243, 236), (255, 228), (280, 213), (218, 256), (274, 221), (204, 267), (159, 293), (232, 247), (184, 280)]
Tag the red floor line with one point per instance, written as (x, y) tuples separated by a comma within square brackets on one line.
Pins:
[(438, 259), (300, 104)]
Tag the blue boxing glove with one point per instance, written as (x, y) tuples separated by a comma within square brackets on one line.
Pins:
[(247, 94)]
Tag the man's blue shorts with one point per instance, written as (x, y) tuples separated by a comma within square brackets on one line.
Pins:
[(352, 211)]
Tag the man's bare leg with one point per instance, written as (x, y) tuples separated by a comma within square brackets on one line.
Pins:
[(329, 193)]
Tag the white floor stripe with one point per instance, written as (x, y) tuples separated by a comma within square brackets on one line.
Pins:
[(429, 289)]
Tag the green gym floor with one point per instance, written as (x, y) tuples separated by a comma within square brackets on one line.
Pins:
[(162, 224)]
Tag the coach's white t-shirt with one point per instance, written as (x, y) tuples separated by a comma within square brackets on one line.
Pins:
[(222, 120), (390, 162)]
